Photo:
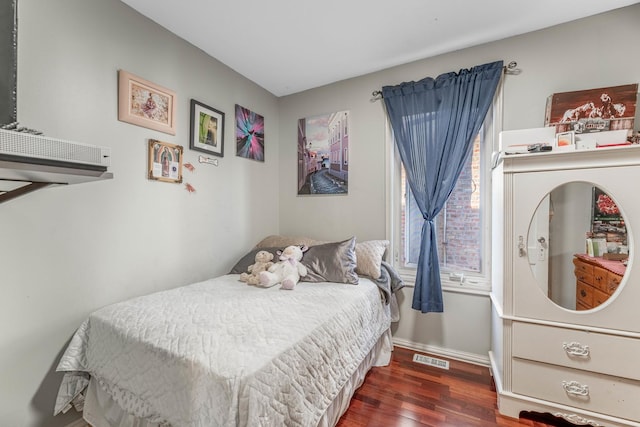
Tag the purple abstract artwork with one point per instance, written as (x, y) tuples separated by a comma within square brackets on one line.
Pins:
[(249, 134)]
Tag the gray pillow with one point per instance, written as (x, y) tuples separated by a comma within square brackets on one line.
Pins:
[(329, 262), (243, 264)]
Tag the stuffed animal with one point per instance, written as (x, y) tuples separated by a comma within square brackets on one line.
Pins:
[(287, 270), (263, 262)]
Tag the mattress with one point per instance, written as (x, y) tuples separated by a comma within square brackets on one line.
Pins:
[(223, 353)]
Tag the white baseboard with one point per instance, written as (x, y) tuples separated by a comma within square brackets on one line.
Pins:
[(476, 359), (495, 372), (78, 423)]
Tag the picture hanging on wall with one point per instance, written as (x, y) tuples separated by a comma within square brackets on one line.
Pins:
[(249, 134), (207, 129), (323, 154), (593, 110), (165, 161), (146, 104)]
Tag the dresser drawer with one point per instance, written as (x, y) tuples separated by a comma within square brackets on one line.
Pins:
[(593, 392), (580, 306), (600, 276), (595, 352), (584, 294), (613, 281), (582, 266), (599, 297), (583, 276)]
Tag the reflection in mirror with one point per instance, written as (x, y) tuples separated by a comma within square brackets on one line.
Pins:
[(577, 246)]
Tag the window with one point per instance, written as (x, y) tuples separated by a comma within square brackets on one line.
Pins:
[(463, 225), (345, 156)]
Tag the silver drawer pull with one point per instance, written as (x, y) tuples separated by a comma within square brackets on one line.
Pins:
[(576, 349), (575, 388), (577, 419)]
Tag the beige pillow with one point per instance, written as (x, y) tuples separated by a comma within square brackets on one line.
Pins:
[(369, 257), (276, 241)]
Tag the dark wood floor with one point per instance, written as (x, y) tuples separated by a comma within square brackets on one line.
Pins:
[(409, 394)]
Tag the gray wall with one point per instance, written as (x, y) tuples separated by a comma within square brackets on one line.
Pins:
[(67, 251), (590, 53)]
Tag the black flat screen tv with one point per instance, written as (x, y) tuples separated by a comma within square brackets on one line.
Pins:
[(8, 61)]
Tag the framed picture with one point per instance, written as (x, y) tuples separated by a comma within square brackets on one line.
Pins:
[(165, 161), (146, 104), (593, 110), (566, 139), (207, 129), (323, 154), (249, 134)]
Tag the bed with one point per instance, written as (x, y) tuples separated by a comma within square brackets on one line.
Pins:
[(223, 353)]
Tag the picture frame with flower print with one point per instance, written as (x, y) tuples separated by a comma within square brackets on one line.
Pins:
[(146, 104)]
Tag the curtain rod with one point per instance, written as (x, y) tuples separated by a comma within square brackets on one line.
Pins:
[(510, 68)]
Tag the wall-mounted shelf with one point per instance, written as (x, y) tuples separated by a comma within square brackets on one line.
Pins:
[(19, 189), (18, 178), (30, 162)]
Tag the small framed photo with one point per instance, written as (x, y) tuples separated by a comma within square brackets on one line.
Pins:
[(207, 129), (146, 104), (165, 161), (566, 140)]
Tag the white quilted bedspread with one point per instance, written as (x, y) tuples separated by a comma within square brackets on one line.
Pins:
[(222, 353)]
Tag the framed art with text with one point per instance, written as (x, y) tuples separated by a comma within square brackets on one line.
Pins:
[(165, 161)]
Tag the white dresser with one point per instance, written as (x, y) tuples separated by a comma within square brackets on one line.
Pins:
[(546, 354)]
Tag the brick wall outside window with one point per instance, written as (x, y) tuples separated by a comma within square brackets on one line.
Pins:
[(459, 224)]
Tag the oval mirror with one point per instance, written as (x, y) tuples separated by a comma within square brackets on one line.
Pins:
[(577, 246)]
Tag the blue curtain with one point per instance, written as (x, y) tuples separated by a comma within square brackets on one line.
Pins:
[(434, 123)]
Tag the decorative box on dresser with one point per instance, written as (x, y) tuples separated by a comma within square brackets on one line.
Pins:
[(553, 351)]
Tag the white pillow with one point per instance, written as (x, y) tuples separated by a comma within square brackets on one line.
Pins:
[(369, 257)]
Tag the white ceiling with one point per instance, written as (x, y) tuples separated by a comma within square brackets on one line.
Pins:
[(288, 46)]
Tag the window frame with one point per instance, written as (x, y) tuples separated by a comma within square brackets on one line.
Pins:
[(474, 283)]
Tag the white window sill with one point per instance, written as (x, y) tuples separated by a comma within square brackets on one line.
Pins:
[(466, 287)]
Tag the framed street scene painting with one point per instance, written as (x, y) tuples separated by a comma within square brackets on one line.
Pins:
[(323, 154)]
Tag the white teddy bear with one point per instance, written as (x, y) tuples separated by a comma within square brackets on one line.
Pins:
[(286, 271), (263, 262)]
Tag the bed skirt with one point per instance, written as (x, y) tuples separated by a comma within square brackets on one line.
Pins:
[(100, 410)]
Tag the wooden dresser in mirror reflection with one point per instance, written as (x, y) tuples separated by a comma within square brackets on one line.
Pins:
[(597, 279)]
